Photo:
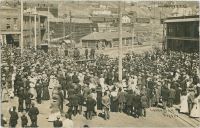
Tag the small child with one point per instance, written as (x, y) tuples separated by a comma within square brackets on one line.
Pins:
[(24, 120)]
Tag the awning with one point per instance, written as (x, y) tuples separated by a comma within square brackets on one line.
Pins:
[(6, 33), (181, 20), (67, 41)]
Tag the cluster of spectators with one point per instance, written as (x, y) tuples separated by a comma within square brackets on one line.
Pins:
[(90, 89)]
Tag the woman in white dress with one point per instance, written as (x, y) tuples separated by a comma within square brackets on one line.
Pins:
[(195, 112), (52, 84), (32, 90), (184, 103), (102, 83), (55, 111)]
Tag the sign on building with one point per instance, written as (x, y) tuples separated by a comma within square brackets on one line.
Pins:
[(142, 20)]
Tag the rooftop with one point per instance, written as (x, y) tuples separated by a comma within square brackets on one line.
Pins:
[(73, 20), (105, 35)]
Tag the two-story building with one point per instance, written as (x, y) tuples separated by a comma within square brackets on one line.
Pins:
[(10, 26)]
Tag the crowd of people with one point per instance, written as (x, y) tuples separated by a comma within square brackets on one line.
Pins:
[(153, 79)]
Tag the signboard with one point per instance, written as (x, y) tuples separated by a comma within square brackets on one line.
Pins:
[(143, 20)]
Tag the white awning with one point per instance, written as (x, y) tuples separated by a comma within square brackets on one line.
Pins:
[(67, 41), (181, 20)]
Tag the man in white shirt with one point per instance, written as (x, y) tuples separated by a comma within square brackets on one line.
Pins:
[(67, 123)]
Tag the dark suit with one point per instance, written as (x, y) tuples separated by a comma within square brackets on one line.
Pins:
[(57, 124), (90, 104), (165, 96), (24, 120), (137, 105), (13, 118), (33, 112), (129, 103)]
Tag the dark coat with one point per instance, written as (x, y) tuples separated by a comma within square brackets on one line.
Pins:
[(24, 120), (137, 101), (33, 112), (165, 93), (57, 123), (13, 118), (90, 104), (74, 100), (129, 99), (121, 97), (172, 93), (144, 101)]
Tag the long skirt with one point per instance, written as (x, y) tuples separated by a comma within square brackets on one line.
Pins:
[(195, 112), (54, 111), (114, 105), (45, 95), (184, 105)]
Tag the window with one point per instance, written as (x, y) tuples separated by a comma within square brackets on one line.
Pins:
[(8, 19), (15, 20), (7, 26)]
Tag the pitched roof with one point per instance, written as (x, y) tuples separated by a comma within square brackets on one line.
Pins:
[(105, 35), (73, 20)]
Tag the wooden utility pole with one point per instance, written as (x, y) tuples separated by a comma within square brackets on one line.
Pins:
[(35, 29), (63, 26), (22, 36), (70, 24), (30, 29), (48, 30), (120, 43), (133, 33)]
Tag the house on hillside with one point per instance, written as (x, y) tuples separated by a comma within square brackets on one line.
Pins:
[(105, 39), (182, 12), (76, 28)]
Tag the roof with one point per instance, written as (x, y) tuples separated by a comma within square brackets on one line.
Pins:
[(45, 13), (181, 19), (105, 35), (73, 20)]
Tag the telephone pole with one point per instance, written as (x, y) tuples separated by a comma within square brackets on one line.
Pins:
[(120, 43), (70, 23), (48, 26), (133, 33), (35, 29), (22, 43)]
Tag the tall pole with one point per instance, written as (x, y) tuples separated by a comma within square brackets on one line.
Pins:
[(133, 34), (120, 42), (35, 30), (64, 27), (30, 30), (48, 26), (21, 40), (70, 23)]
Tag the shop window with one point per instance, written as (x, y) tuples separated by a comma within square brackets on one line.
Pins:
[(7, 26)]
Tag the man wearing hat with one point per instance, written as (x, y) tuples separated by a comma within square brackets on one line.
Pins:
[(165, 95), (13, 117), (57, 123), (90, 105), (33, 112)]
